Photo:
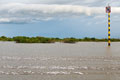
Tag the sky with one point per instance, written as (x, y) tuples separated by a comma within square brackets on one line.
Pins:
[(58, 18)]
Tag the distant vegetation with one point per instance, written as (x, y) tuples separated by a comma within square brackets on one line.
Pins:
[(23, 39)]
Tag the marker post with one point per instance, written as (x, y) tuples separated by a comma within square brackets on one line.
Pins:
[(108, 10)]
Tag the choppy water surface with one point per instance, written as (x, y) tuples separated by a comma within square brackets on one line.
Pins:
[(80, 61)]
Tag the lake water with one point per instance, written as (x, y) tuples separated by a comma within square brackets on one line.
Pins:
[(59, 61)]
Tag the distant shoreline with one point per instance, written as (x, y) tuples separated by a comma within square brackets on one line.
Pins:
[(38, 39)]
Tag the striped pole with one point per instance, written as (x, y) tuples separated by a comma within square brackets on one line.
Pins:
[(108, 10), (109, 42)]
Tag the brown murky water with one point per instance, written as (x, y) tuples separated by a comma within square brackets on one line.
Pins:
[(59, 61)]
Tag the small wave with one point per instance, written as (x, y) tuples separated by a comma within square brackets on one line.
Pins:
[(94, 58), (40, 73), (64, 68), (58, 72), (71, 68), (22, 67)]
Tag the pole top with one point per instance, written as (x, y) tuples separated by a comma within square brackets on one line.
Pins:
[(108, 8)]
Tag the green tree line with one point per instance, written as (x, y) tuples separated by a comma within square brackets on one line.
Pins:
[(38, 39)]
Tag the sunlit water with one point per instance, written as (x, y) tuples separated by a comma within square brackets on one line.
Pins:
[(59, 61)]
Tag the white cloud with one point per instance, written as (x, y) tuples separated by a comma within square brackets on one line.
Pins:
[(76, 2), (17, 13), (24, 13)]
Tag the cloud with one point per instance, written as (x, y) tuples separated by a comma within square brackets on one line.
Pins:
[(25, 13), (70, 2), (19, 13)]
